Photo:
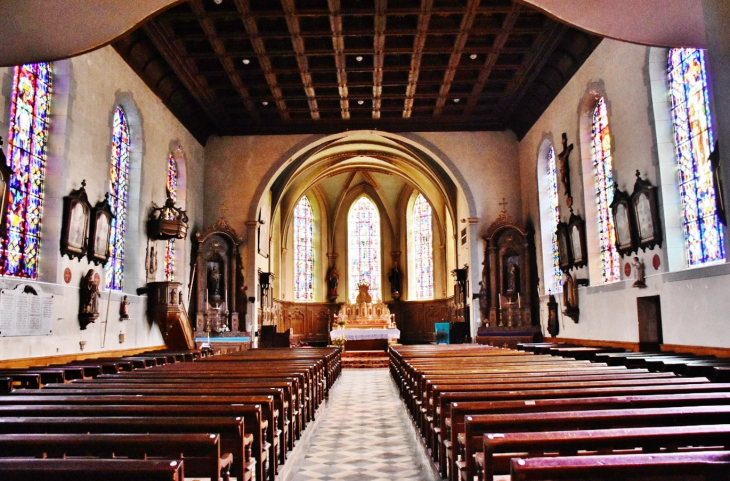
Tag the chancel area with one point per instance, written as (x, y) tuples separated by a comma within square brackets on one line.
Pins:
[(278, 237)]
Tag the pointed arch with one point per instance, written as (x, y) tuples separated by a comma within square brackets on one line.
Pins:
[(693, 141), (547, 179), (27, 139), (119, 189), (171, 189), (420, 247), (364, 256), (303, 250)]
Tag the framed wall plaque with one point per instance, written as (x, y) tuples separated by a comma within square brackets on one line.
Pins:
[(577, 232), (75, 226), (101, 222), (564, 250), (623, 222), (646, 214)]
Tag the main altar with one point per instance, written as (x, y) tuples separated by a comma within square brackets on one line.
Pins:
[(365, 325)]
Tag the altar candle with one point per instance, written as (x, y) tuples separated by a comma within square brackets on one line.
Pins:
[(519, 302), (500, 300)]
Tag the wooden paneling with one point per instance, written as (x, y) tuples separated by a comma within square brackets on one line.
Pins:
[(416, 319), (66, 358), (310, 320)]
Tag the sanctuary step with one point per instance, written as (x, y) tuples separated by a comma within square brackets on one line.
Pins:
[(364, 359)]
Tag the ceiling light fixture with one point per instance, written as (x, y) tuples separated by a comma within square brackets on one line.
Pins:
[(218, 2), (360, 102), (264, 103), (246, 61), (359, 58), (456, 101), (473, 56)]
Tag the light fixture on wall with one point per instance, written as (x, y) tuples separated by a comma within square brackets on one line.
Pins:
[(121, 338), (82, 344)]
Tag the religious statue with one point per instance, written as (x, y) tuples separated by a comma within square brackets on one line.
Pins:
[(513, 276), (332, 280), (89, 299), (394, 278), (364, 294), (173, 296), (150, 263), (553, 324), (124, 308), (484, 300), (180, 298), (564, 163), (214, 285), (638, 266)]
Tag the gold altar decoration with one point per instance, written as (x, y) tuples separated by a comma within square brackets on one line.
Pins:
[(366, 314)]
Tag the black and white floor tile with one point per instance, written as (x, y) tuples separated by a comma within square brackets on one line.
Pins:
[(366, 434)]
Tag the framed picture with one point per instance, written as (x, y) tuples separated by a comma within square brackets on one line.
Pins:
[(577, 232), (623, 222), (646, 214), (101, 224), (75, 226), (564, 250)]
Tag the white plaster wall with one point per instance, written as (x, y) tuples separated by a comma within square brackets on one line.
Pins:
[(81, 150), (693, 303)]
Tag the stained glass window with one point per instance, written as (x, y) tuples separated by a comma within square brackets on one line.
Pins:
[(363, 227), (554, 215), (303, 251), (119, 186), (603, 168), (27, 137), (171, 193), (422, 248), (693, 140)]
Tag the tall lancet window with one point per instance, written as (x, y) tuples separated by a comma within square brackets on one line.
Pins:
[(603, 168), (29, 117), (554, 215), (421, 248), (693, 140), (303, 251), (119, 187), (363, 229), (172, 194)]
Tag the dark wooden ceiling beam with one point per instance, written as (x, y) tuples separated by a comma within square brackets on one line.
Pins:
[(249, 23), (499, 42), (348, 12), (399, 96), (162, 36), (378, 54), (418, 45), (292, 22), (364, 51), (338, 44), (466, 22), (208, 26), (395, 32), (391, 68)]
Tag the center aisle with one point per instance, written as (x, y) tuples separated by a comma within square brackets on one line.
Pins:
[(366, 434)]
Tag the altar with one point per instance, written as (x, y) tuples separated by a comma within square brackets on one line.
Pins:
[(366, 339), (365, 325)]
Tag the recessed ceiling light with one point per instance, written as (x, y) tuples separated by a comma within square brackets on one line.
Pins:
[(246, 61), (264, 103), (359, 58), (473, 56), (360, 102), (218, 2), (456, 101)]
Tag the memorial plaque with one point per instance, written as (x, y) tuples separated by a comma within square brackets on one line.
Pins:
[(25, 313)]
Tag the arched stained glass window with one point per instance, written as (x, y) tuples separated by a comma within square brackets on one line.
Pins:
[(119, 186), (303, 251), (422, 232), (554, 214), (172, 194), (693, 140), (363, 228), (603, 168), (27, 137)]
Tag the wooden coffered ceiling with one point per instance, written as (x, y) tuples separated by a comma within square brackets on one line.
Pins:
[(246, 67)]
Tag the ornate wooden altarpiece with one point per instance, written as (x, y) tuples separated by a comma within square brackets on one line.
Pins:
[(509, 284), (220, 294)]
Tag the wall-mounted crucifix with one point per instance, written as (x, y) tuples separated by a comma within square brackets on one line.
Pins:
[(563, 158)]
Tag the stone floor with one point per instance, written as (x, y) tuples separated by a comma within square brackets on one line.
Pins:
[(365, 435)]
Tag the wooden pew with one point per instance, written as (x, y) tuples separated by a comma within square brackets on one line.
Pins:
[(500, 448), (91, 470), (708, 466), (200, 452)]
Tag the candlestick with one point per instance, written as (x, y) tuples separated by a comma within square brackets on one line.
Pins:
[(500, 300), (519, 302)]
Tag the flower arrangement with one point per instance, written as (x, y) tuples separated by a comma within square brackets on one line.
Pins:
[(340, 321), (339, 342)]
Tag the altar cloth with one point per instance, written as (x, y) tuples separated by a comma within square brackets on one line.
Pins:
[(364, 334)]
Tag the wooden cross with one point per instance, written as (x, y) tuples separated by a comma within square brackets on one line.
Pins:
[(504, 205)]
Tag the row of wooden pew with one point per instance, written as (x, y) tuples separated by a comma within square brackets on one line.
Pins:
[(485, 411), (211, 416)]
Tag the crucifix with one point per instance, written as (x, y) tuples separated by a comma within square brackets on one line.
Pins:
[(565, 168), (504, 205)]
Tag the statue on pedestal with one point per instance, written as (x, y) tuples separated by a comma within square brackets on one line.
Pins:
[(333, 279), (89, 300), (394, 278)]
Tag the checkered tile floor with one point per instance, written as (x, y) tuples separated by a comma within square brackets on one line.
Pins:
[(366, 434)]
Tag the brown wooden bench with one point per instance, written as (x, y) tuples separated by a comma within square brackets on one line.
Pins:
[(200, 452), (91, 469), (500, 448), (706, 466)]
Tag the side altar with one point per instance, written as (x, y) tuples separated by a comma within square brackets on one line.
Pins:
[(365, 325)]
